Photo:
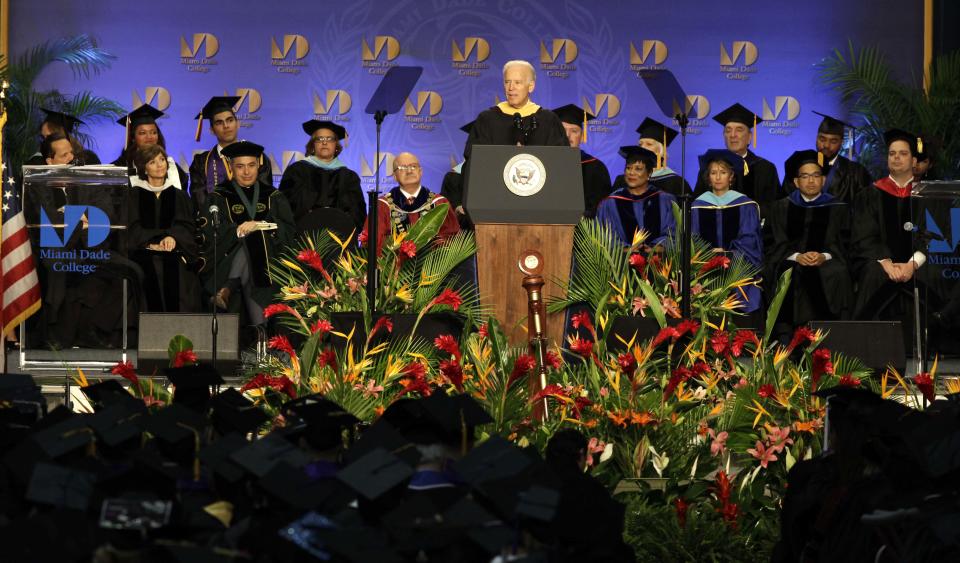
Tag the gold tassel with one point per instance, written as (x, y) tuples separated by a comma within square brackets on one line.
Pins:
[(222, 511), (662, 157), (199, 127), (919, 145), (583, 132), (754, 132), (126, 139), (226, 166), (820, 159), (746, 169)]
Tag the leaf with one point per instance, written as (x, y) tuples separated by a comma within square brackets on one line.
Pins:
[(308, 356), (178, 344), (653, 301), (774, 310)]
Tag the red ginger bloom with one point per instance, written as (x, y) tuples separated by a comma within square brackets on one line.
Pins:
[(766, 391), (311, 258), (521, 367), (679, 375), (627, 363), (408, 248), (126, 371), (322, 326), (730, 512), (414, 376), (720, 342), (681, 507), (184, 357), (281, 383), (448, 297), (382, 322), (452, 370), (579, 403), (582, 319), (687, 326), (924, 382), (802, 334), (665, 333), (553, 359), (550, 390), (821, 366), (281, 343), (274, 308), (848, 380), (637, 262), (719, 261), (483, 332), (740, 340), (582, 347), (327, 358), (448, 344)]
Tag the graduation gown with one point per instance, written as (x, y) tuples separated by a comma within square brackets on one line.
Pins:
[(452, 189), (596, 182), (844, 180), (664, 179), (494, 127), (170, 284), (396, 214), (761, 184), (816, 292), (651, 211), (181, 175), (733, 224), (308, 187), (209, 168), (262, 246)]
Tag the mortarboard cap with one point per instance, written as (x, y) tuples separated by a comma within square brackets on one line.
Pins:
[(116, 424), (182, 553), (259, 457), (739, 165), (573, 114), (831, 125), (375, 473), (309, 127), (107, 393), (892, 135), (467, 128), (217, 104), (141, 116), (495, 458), (383, 435), (173, 424), (738, 114), (242, 148), (192, 383), (792, 166), (65, 437), (634, 153), (653, 129), (234, 412), (65, 120), (61, 486), (324, 420), (216, 457)]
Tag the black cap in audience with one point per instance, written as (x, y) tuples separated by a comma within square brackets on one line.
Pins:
[(107, 393), (830, 125), (324, 420), (216, 457), (799, 158), (234, 412), (61, 486), (259, 457), (375, 473), (65, 120), (573, 114), (892, 135), (142, 115), (653, 129), (242, 148), (738, 114), (192, 383)]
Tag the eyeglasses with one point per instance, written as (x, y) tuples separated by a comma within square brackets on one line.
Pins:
[(407, 167), (322, 140), (814, 176)]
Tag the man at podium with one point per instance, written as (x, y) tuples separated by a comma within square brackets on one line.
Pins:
[(517, 120)]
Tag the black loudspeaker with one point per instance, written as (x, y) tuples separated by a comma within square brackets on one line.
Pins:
[(156, 330), (877, 343)]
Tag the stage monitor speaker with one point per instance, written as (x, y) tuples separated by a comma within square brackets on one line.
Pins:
[(156, 330), (877, 343)]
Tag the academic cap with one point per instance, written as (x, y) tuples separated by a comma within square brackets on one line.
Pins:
[(653, 129), (141, 116), (309, 127), (799, 158), (739, 165), (383, 435), (375, 473), (234, 412), (495, 458), (738, 114), (634, 153), (322, 537), (324, 420), (107, 393), (192, 384), (61, 486), (174, 424), (891, 135), (831, 125), (65, 120), (260, 456), (467, 128), (216, 457), (573, 114), (217, 104), (116, 424), (242, 148)]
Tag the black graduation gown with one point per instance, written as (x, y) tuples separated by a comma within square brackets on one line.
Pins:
[(761, 184), (262, 246), (170, 284), (493, 127), (209, 169), (845, 179), (308, 187), (797, 226), (596, 182), (452, 189)]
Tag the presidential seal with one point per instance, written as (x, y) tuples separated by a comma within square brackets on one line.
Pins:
[(524, 175)]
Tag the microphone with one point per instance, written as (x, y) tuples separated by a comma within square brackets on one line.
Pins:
[(922, 234), (517, 129), (215, 215)]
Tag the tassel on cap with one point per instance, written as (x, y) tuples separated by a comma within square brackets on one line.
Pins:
[(199, 127), (754, 132), (583, 132), (746, 169), (662, 157), (820, 159), (919, 145), (126, 141)]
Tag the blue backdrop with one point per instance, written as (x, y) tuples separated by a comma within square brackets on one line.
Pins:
[(296, 60)]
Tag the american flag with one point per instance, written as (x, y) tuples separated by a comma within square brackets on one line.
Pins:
[(21, 289)]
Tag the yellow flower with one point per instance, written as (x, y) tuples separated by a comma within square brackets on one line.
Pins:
[(404, 294)]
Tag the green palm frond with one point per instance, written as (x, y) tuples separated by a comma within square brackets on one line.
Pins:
[(599, 258), (437, 264), (79, 52)]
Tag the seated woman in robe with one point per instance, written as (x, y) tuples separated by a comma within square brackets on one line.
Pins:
[(321, 179), (639, 204), (727, 219), (160, 235), (143, 130)]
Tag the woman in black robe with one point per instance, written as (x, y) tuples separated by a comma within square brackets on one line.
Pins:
[(321, 179), (142, 130), (160, 235)]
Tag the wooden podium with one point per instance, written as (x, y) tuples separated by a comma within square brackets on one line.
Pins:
[(511, 219)]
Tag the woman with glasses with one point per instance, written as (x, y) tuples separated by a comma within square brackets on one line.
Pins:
[(808, 230), (322, 180)]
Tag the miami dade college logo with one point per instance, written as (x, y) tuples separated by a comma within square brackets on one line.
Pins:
[(697, 108), (601, 102), (156, 96), (288, 54), (740, 61), (248, 106), (332, 106), (286, 159), (476, 47), (781, 117), (551, 61), (649, 57), (941, 250), (380, 58), (423, 114), (79, 260), (197, 53), (367, 172)]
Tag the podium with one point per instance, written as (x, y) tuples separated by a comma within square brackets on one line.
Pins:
[(520, 199)]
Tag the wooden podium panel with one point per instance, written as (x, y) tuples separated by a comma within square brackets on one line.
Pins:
[(499, 246)]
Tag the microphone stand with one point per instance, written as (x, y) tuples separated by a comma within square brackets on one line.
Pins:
[(686, 234), (373, 236), (214, 324)]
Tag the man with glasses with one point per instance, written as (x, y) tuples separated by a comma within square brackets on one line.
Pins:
[(807, 229), (209, 168), (403, 206)]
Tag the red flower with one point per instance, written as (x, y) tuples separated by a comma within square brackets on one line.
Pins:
[(722, 487), (730, 512), (311, 258), (447, 297), (448, 344), (184, 357), (582, 319), (719, 261), (256, 382), (664, 334), (451, 370), (849, 381), (679, 375), (687, 326), (637, 262), (821, 366), (284, 384), (322, 326), (579, 404), (582, 347), (802, 334), (553, 359), (482, 331), (274, 308), (281, 383), (362, 238), (924, 383), (701, 368), (282, 344), (408, 248), (681, 507), (550, 390), (627, 363), (766, 391), (740, 340), (327, 358), (382, 322), (126, 371), (521, 367), (720, 342)]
